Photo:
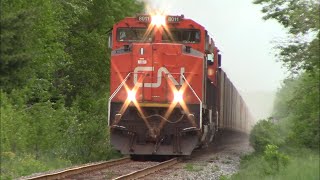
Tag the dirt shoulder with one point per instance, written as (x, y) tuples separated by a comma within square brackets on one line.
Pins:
[(221, 158)]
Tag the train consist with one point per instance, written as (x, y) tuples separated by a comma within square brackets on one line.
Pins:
[(168, 93)]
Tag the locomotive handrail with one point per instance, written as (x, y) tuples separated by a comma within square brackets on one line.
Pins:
[(114, 94), (185, 80)]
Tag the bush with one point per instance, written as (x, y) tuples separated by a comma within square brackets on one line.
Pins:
[(264, 133), (275, 159), (297, 103), (252, 166), (301, 165)]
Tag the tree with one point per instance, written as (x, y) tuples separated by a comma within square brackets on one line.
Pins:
[(301, 18), (54, 77), (298, 100), (89, 72), (298, 16), (14, 53)]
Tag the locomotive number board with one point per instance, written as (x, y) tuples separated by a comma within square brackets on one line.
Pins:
[(173, 19), (144, 18), (169, 19)]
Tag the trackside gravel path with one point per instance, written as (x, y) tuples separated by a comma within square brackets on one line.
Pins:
[(221, 158)]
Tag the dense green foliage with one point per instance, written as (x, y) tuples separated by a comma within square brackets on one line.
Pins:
[(297, 103), (295, 125), (54, 82), (265, 133), (297, 107), (303, 165)]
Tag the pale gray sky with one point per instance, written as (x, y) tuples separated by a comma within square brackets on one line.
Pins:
[(242, 36)]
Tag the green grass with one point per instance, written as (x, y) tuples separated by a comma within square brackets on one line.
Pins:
[(302, 165), (223, 177), (193, 167), (301, 168), (13, 166)]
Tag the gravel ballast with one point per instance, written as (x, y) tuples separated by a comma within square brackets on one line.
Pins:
[(221, 158)]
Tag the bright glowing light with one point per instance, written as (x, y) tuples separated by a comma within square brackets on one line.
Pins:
[(131, 95), (158, 20), (178, 96)]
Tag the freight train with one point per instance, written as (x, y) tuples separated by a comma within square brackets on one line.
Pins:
[(168, 93)]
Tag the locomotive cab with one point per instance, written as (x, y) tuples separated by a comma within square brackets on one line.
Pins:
[(163, 91)]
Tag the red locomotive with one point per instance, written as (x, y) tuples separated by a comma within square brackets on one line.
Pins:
[(168, 94)]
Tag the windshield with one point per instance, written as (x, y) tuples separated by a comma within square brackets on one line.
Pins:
[(181, 35), (134, 34)]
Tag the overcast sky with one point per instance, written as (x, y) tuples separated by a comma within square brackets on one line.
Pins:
[(240, 33)]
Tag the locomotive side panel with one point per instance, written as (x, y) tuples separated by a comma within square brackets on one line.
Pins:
[(221, 97)]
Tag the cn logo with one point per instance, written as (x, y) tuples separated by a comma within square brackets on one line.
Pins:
[(159, 76)]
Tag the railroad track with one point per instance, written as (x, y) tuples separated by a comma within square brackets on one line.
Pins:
[(67, 174), (82, 169), (148, 170)]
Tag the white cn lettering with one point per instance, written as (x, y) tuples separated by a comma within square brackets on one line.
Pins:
[(159, 76)]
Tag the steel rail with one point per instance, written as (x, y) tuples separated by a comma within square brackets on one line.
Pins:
[(81, 169), (148, 170)]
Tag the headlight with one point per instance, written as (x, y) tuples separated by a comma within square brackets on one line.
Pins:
[(178, 96), (131, 95), (158, 20)]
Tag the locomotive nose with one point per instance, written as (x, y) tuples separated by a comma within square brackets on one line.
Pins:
[(155, 67), (156, 53)]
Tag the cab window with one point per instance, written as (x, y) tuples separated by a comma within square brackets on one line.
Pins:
[(181, 35), (134, 35), (210, 58)]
